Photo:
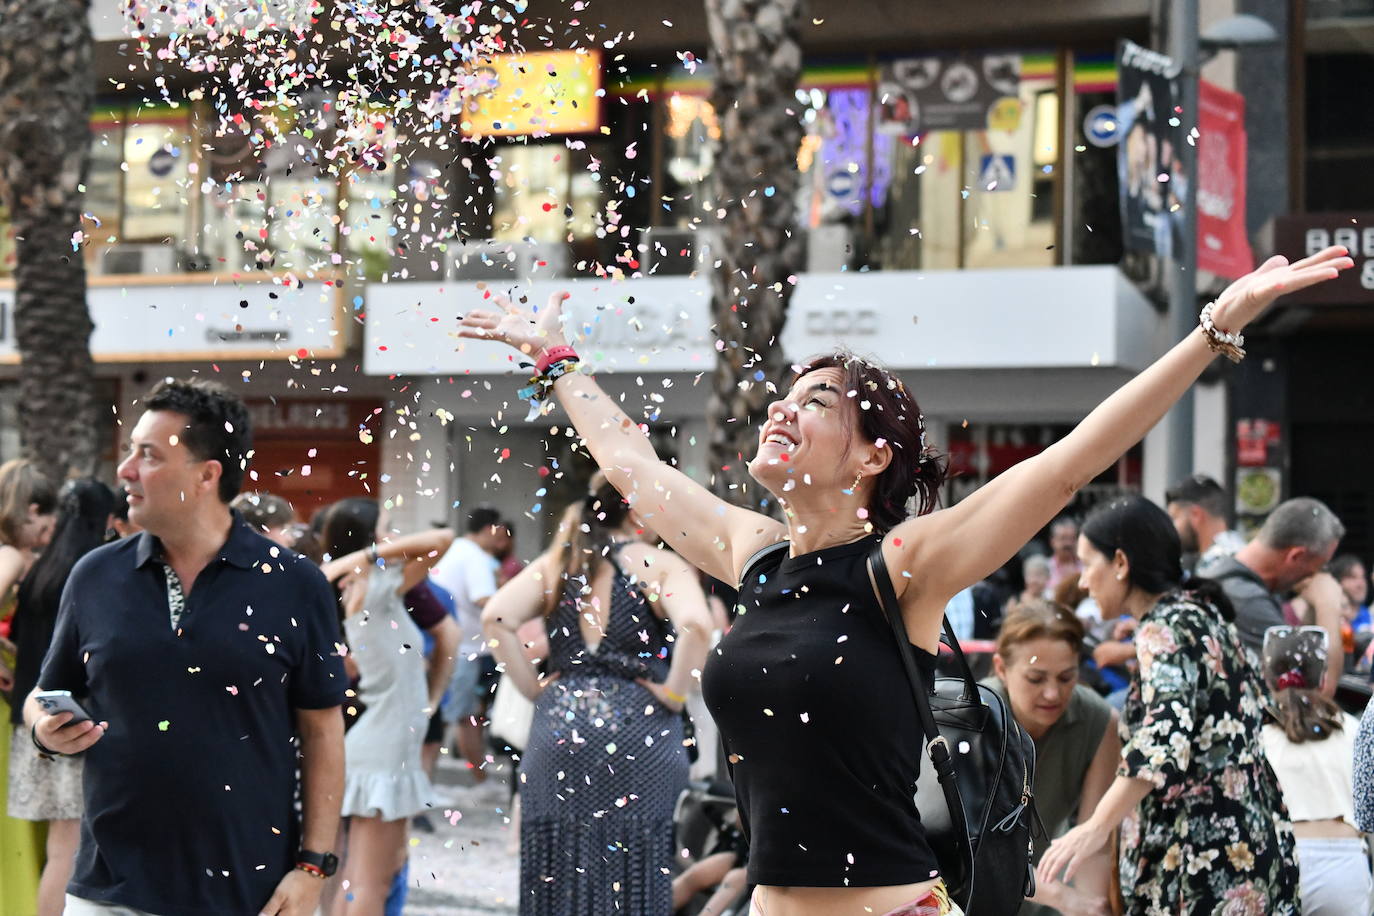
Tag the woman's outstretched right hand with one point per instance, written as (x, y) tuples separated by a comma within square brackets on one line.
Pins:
[(528, 330)]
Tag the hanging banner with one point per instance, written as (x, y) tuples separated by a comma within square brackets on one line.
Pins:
[(920, 94), (1147, 158), (1223, 247)]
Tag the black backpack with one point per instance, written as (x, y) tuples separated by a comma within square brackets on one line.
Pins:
[(978, 818)]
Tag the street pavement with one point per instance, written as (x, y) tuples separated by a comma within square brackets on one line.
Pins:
[(467, 866)]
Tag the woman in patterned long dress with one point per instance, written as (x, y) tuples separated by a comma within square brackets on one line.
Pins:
[(1203, 825), (628, 633)]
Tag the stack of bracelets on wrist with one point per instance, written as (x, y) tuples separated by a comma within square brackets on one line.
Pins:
[(1219, 341), (554, 364)]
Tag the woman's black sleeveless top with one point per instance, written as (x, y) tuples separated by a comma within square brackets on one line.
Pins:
[(814, 708)]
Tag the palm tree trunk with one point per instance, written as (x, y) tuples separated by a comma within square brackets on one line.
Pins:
[(46, 94), (757, 57)]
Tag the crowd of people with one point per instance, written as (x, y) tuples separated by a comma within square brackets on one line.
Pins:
[(222, 708)]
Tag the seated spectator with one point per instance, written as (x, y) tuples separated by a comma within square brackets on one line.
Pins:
[(1311, 749), (1288, 552), (1354, 580), (1075, 735), (1198, 507), (1035, 571)]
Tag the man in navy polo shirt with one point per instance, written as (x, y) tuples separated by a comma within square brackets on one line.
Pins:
[(204, 653)]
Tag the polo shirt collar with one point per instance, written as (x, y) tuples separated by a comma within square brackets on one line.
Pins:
[(241, 549)]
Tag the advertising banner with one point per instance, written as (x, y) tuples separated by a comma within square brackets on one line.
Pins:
[(1222, 244), (920, 94), (1148, 163)]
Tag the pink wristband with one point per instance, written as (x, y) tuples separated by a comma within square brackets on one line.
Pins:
[(553, 355)]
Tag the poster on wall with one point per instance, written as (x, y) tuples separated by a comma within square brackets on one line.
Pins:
[(920, 94), (1148, 163), (1223, 245)]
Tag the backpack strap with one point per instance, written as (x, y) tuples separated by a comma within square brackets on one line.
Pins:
[(937, 747), (757, 557)]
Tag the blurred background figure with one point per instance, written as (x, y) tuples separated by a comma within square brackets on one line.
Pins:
[(1312, 750), (269, 514), (467, 572), (384, 780), (41, 788), (605, 762), (1035, 572), (1063, 558), (1199, 509)]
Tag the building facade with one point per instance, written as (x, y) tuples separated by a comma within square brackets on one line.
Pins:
[(977, 256)]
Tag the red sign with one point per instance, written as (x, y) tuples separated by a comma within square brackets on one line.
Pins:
[(1222, 244), (1253, 439)]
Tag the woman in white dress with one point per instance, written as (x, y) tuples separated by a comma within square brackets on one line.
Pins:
[(384, 782)]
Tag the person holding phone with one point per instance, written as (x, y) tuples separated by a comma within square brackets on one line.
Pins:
[(206, 655)]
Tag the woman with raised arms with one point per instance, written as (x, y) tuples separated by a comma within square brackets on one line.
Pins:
[(805, 688)]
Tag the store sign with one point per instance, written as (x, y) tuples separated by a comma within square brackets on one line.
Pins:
[(231, 319), (1223, 247), (1152, 134), (536, 94), (905, 319), (331, 418), (1299, 235), (920, 94)]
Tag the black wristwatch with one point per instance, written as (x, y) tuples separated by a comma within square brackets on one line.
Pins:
[(326, 863)]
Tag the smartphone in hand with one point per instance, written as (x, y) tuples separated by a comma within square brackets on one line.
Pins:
[(55, 701)]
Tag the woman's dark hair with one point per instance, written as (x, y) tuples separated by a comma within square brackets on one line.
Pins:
[(587, 529), (83, 514), (886, 411), (1146, 535), (349, 525), (217, 426), (1294, 662)]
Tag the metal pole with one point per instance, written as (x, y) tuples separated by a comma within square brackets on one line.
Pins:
[(1182, 283)]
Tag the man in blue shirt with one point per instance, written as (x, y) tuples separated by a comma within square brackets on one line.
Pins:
[(204, 654)]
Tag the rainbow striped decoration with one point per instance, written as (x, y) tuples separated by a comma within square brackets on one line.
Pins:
[(1094, 72)]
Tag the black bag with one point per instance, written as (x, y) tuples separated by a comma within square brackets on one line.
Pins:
[(984, 764)]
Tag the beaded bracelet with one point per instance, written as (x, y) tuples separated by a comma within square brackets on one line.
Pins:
[(1219, 341), (537, 391)]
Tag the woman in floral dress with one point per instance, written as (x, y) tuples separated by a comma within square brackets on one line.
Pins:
[(1203, 826)]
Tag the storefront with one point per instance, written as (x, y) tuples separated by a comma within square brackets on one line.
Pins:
[(955, 336)]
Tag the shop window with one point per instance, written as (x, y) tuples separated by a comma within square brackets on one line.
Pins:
[(542, 194), (693, 132), (157, 149), (978, 452), (974, 198)]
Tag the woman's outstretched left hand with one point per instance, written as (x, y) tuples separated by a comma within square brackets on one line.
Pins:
[(527, 330), (662, 694), (1068, 853), (1247, 298)]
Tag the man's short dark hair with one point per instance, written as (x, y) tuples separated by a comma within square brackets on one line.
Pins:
[(482, 518), (1201, 491), (217, 425)]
